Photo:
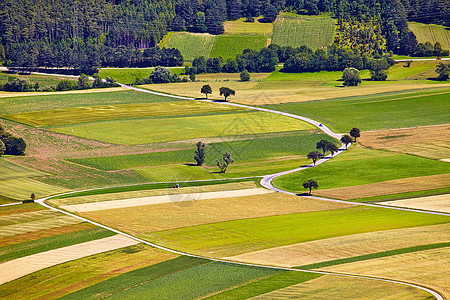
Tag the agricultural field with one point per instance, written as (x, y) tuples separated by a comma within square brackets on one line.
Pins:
[(431, 33), (228, 46), (358, 167), (295, 31), (246, 235), (191, 45)]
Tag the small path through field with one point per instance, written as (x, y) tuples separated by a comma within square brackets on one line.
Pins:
[(266, 182)]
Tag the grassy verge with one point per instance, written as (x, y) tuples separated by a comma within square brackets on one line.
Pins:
[(50, 243), (373, 255), (242, 236)]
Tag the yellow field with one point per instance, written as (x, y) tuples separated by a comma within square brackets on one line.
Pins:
[(337, 288), (427, 141), (430, 268), (435, 203), (150, 218), (274, 92), (388, 187), (347, 246), (23, 94), (156, 192)]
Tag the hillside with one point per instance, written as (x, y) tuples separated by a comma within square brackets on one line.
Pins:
[(431, 33)]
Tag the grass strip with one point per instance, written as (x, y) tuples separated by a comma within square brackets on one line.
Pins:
[(373, 255), (137, 277), (50, 243), (148, 186), (401, 196), (266, 285)]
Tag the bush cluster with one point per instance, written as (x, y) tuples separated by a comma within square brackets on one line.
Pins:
[(10, 144)]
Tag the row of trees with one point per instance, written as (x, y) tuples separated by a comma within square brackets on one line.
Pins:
[(10, 144), (224, 91), (17, 84)]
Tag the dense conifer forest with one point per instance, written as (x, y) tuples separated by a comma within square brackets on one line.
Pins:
[(87, 34)]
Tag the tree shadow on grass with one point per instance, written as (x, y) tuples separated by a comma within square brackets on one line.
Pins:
[(190, 164), (303, 194)]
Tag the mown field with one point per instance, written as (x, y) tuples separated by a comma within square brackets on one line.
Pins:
[(431, 33), (241, 236), (397, 110), (42, 80), (240, 27), (228, 46), (363, 166), (295, 31)]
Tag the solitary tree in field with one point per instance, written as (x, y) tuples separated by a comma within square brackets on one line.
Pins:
[(33, 196), (223, 162), (351, 77), (200, 153), (314, 155), (226, 92), (206, 89), (355, 132), (346, 139), (310, 184)]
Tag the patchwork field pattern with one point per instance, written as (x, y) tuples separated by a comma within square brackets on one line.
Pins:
[(439, 203), (241, 27), (296, 31), (359, 167), (242, 236), (330, 249), (430, 268), (150, 218), (53, 282), (428, 141), (345, 288)]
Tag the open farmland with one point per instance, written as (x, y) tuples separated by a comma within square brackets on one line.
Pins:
[(240, 27), (42, 80), (295, 31), (428, 107), (53, 282), (359, 166), (431, 33), (429, 267), (435, 203), (129, 75), (149, 218), (427, 141), (242, 236), (347, 247), (346, 288), (168, 129), (228, 46)]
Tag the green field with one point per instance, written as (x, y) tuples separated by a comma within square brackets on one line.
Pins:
[(418, 70), (191, 45), (242, 236), (13, 105), (228, 46), (133, 132), (87, 114), (395, 110), (363, 166), (295, 31), (129, 75), (180, 278), (431, 33), (258, 149)]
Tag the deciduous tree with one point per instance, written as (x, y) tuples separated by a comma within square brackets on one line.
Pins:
[(351, 77), (310, 184), (355, 133), (346, 139), (199, 155), (206, 89), (314, 155), (226, 92)]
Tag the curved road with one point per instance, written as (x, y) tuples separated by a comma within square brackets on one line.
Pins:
[(266, 182)]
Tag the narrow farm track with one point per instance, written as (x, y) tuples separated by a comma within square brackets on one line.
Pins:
[(266, 182)]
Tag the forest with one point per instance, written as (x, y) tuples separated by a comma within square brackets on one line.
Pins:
[(88, 34)]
